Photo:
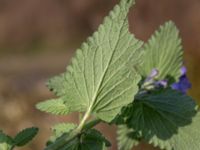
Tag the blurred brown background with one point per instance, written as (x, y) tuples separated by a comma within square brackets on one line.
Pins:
[(38, 38)]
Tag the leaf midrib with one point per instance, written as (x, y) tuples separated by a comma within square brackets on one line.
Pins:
[(105, 72), (90, 107)]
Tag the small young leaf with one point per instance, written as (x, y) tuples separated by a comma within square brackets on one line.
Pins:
[(88, 140), (53, 106), (164, 52), (167, 119), (101, 78), (93, 139), (6, 142), (60, 129), (126, 137), (25, 136)]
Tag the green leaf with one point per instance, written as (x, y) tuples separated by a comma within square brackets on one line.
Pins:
[(88, 140), (53, 106), (63, 127), (57, 84), (60, 129), (167, 119), (101, 78), (127, 138), (25, 136), (6, 142), (164, 52)]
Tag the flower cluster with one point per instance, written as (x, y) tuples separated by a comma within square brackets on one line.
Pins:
[(182, 85)]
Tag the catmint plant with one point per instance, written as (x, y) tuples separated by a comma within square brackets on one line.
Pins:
[(118, 79)]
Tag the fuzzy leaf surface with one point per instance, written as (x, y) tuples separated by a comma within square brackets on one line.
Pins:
[(101, 78)]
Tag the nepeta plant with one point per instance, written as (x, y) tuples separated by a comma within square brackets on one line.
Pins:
[(117, 79)]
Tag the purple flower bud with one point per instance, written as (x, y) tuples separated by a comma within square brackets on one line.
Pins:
[(183, 70), (151, 83), (152, 75), (161, 83)]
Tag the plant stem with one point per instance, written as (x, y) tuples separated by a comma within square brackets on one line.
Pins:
[(91, 124), (66, 138), (63, 140)]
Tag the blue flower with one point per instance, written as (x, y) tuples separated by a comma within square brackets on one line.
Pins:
[(183, 84)]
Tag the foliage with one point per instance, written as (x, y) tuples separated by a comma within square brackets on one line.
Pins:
[(100, 79), (116, 79)]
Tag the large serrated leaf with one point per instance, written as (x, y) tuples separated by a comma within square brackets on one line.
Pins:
[(163, 51), (167, 119), (101, 78), (25, 136), (6, 142)]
